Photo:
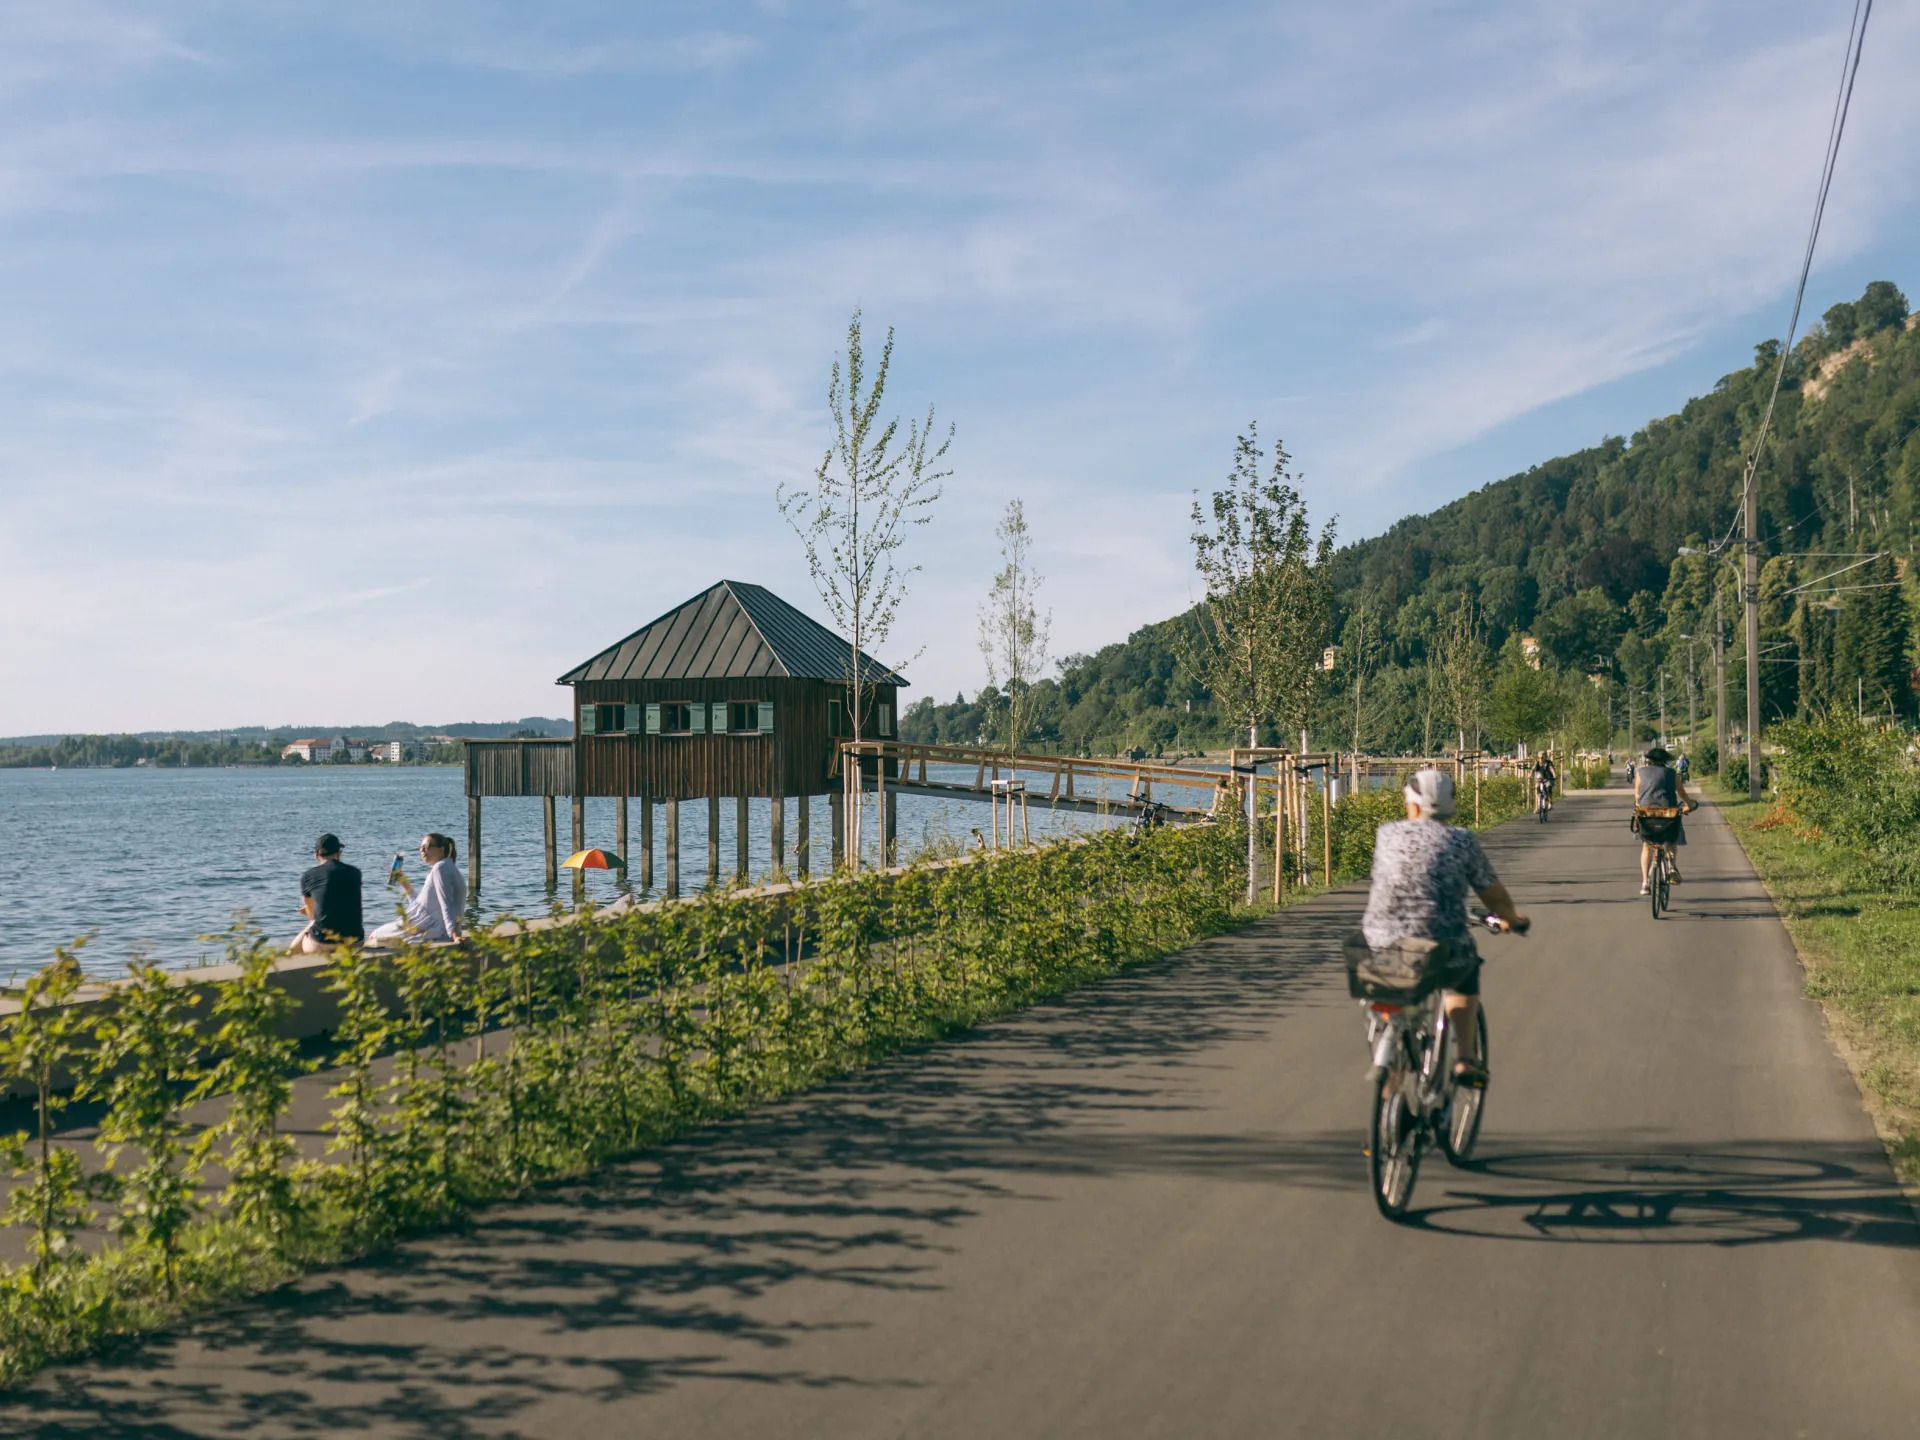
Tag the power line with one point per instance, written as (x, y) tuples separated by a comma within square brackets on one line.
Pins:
[(1843, 101)]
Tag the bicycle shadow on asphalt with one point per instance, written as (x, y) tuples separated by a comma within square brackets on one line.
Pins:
[(675, 1266), (1728, 1196)]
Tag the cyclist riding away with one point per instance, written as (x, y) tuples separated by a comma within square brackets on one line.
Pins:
[(1422, 870), (1658, 786), (1545, 777)]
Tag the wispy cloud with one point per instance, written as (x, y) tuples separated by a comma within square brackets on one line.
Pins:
[(489, 307)]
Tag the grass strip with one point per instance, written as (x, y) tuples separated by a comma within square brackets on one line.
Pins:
[(1859, 942)]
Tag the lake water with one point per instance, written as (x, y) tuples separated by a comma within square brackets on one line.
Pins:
[(155, 858)]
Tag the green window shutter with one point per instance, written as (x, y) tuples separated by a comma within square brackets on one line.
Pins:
[(766, 717), (632, 719), (589, 718), (697, 718), (886, 719), (653, 719)]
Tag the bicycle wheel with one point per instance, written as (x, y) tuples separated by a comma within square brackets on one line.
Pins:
[(1653, 887), (1394, 1154), (1465, 1105), (1663, 886)]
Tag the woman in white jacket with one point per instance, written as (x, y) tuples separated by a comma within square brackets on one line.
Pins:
[(433, 915)]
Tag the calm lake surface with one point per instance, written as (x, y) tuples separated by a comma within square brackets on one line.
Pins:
[(154, 858)]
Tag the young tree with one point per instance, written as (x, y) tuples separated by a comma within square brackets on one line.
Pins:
[(1524, 703), (1013, 629), (1359, 650), (871, 490), (1257, 638), (1462, 666)]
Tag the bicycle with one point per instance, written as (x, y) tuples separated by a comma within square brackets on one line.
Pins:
[(1542, 800), (1660, 875), (1417, 1102)]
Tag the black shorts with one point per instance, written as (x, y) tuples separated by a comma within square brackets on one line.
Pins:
[(1466, 978)]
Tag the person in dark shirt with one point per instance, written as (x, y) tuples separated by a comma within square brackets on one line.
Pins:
[(1658, 784), (330, 899)]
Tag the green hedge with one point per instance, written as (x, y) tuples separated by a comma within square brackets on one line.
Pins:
[(545, 1053), (1854, 787)]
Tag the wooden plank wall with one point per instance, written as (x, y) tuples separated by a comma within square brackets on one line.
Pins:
[(795, 760), (519, 767)]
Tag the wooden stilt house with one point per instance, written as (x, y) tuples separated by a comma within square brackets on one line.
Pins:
[(734, 693)]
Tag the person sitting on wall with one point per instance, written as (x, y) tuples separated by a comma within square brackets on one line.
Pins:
[(433, 916), (330, 899)]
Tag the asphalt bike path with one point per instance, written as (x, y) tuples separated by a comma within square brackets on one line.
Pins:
[(1143, 1211)]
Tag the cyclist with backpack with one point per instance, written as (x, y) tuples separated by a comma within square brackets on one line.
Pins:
[(1658, 786)]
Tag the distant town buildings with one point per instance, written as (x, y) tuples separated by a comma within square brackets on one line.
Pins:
[(344, 750), (339, 750)]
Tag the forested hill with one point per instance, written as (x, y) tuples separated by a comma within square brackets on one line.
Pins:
[(1581, 554)]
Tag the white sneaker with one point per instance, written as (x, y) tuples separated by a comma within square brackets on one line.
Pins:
[(1645, 889)]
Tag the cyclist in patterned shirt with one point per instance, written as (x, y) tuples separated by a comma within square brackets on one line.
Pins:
[(1422, 870)]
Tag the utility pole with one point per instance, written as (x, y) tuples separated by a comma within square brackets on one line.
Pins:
[(1693, 697), (1752, 600), (1720, 680), (1663, 703)]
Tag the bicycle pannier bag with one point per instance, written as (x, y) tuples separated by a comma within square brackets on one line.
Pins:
[(1402, 973)]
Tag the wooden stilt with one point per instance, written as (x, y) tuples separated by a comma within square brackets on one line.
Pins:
[(622, 841), (713, 841), (646, 842), (473, 845), (740, 833), (837, 804), (553, 843), (892, 824), (673, 849), (777, 834), (579, 843), (803, 837)]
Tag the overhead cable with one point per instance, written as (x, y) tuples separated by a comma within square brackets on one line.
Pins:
[(1843, 100)]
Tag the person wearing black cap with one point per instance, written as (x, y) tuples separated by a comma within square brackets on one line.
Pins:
[(1657, 785), (330, 899)]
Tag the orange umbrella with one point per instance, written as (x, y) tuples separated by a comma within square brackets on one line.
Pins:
[(594, 860)]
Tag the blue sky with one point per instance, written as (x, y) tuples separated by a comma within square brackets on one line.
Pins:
[(382, 361)]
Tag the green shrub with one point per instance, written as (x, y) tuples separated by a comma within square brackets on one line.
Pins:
[(1854, 786), (1734, 777), (538, 1054)]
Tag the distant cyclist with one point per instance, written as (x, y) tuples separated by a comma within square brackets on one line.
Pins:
[(1545, 777), (1658, 786), (1680, 766)]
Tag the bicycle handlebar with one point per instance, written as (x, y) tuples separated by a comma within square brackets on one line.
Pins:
[(1501, 927)]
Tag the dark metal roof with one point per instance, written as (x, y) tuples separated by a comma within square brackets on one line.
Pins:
[(732, 631)]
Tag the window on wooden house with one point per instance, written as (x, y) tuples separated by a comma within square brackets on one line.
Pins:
[(836, 718), (603, 719), (750, 717), (884, 718), (676, 718)]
